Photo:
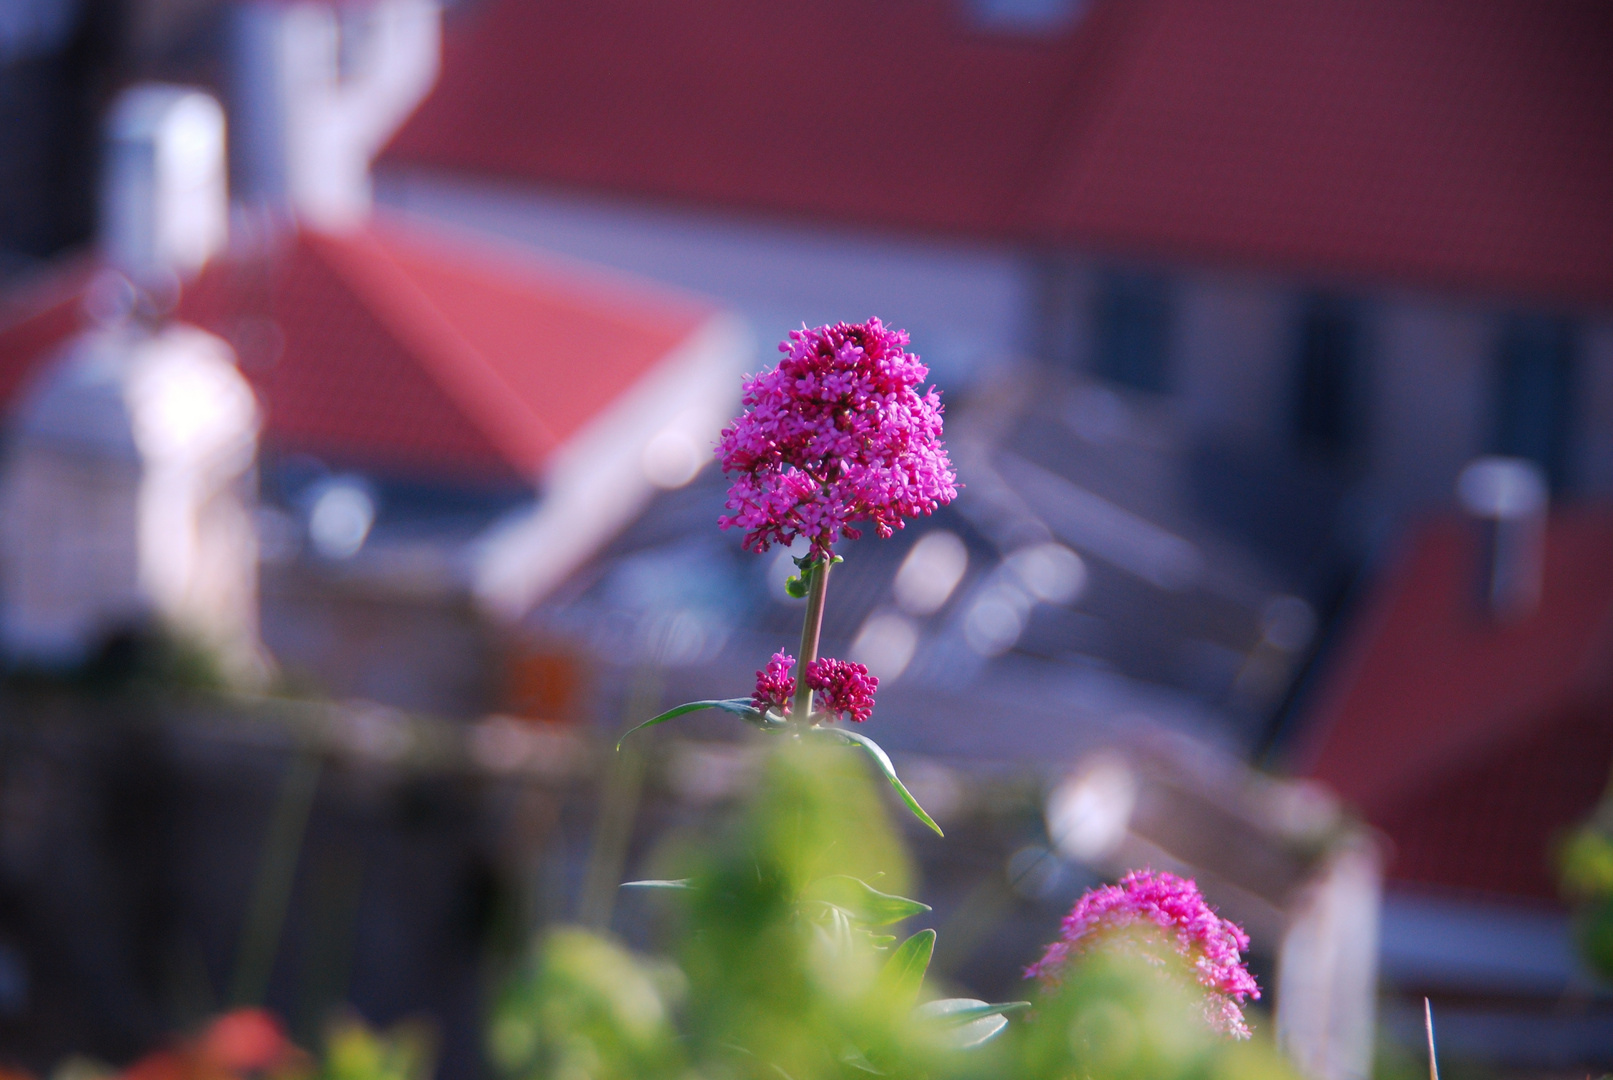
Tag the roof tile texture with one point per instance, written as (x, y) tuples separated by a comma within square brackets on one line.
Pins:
[(1453, 143), (1474, 744), (404, 350)]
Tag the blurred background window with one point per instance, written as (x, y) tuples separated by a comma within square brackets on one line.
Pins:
[(1133, 324), (1025, 16), (1534, 387), (1327, 362)]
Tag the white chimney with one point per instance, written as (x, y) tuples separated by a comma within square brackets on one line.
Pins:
[(125, 497), (319, 88), (1509, 498), (164, 195)]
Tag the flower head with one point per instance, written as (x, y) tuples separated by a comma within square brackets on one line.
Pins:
[(775, 686), (837, 433), (846, 688), (1173, 907)]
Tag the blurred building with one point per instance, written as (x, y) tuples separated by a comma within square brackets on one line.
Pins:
[(1475, 738), (1224, 297), (1348, 249), (253, 415), (1284, 272), (448, 428)]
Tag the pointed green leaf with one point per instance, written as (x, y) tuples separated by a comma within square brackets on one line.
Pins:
[(972, 1034), (661, 883), (767, 721), (902, 977), (884, 762), (967, 1022), (862, 901), (836, 936), (963, 1010), (858, 1060), (740, 707), (770, 1064)]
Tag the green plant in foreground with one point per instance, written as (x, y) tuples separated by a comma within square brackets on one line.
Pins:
[(788, 956), (792, 954), (788, 960)]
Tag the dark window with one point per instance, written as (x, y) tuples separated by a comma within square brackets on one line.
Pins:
[(1534, 388), (1132, 328), (1033, 17), (1326, 385)]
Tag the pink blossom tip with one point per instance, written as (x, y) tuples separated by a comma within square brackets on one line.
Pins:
[(1173, 906), (844, 688), (775, 686), (838, 433)]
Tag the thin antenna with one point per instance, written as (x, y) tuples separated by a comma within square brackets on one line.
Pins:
[(1428, 1022)]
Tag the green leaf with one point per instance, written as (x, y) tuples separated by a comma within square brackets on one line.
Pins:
[(659, 883), (884, 762), (796, 586), (964, 1010), (767, 721), (740, 707), (858, 1060), (862, 901), (902, 977), (770, 1064), (967, 1022), (836, 936)]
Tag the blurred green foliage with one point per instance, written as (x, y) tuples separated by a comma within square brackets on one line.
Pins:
[(585, 1007), (1586, 861), (355, 1051), (786, 962)]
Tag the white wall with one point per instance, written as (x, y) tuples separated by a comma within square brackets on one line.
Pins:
[(963, 303)]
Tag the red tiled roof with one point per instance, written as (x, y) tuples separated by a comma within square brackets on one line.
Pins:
[(1464, 143), (38, 317), (1472, 744), (406, 351)]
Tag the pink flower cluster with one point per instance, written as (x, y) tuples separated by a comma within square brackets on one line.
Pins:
[(1208, 943), (837, 433), (775, 686), (844, 688)]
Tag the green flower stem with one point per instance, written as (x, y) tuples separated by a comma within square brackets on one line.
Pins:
[(817, 587)]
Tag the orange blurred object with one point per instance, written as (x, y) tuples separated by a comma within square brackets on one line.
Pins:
[(541, 683)]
